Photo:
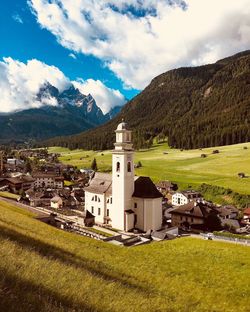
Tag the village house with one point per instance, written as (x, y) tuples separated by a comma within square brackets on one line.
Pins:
[(166, 186), (16, 184), (228, 212), (192, 213), (56, 202), (43, 180), (184, 197), (122, 200), (246, 215), (39, 198)]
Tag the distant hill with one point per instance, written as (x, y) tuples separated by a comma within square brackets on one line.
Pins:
[(74, 113), (194, 107)]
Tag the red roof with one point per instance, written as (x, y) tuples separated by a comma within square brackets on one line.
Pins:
[(247, 211)]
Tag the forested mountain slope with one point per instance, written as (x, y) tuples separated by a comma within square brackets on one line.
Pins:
[(194, 107)]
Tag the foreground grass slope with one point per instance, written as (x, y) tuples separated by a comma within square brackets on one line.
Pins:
[(184, 167), (45, 269)]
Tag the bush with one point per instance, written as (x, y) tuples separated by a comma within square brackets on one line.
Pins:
[(216, 151)]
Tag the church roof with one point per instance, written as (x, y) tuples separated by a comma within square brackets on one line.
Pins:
[(101, 183), (145, 188)]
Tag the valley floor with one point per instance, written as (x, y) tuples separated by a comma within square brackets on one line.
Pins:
[(186, 168), (45, 269)]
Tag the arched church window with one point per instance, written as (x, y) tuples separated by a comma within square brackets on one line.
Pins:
[(118, 167), (129, 166)]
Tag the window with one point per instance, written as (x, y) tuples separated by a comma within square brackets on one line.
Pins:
[(92, 209), (95, 197), (135, 220), (129, 166), (107, 212), (178, 200), (135, 205), (118, 167), (99, 211), (110, 200), (99, 200)]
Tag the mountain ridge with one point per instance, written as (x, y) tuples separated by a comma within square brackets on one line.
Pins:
[(194, 107), (60, 113)]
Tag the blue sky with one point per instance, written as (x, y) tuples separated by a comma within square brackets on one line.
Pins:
[(27, 40), (111, 48)]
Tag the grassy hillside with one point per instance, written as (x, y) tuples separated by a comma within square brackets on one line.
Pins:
[(184, 167), (45, 269)]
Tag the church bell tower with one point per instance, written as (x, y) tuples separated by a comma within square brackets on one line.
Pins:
[(122, 175)]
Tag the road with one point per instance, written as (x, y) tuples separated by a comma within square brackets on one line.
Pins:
[(237, 242)]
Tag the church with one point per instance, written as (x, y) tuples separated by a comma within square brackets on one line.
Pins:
[(123, 200)]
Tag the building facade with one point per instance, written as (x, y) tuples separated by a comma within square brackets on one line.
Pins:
[(185, 197), (122, 200)]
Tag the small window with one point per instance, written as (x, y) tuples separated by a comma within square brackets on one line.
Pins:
[(95, 197), (99, 200), (92, 209), (135, 205), (129, 166), (99, 211), (118, 167), (135, 219), (107, 212), (107, 201), (110, 200)]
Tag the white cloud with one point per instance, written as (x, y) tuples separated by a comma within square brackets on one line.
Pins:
[(20, 83), (138, 39), (72, 55), (17, 18), (105, 97)]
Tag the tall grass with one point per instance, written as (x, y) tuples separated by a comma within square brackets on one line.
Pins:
[(45, 269)]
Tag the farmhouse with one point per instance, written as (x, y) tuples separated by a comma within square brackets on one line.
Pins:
[(192, 213), (17, 184), (43, 180), (182, 198), (122, 200), (166, 186)]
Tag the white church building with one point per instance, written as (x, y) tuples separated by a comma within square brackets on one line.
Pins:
[(123, 200)]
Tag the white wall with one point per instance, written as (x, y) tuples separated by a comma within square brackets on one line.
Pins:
[(182, 199), (122, 187), (149, 213)]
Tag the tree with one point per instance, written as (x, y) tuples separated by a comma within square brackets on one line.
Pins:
[(94, 165), (28, 167), (213, 222)]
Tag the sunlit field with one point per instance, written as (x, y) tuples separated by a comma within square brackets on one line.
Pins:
[(45, 269), (187, 168)]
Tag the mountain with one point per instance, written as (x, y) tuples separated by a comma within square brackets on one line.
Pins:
[(193, 106), (72, 112)]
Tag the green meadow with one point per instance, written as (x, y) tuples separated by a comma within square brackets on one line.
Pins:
[(45, 269), (186, 168)]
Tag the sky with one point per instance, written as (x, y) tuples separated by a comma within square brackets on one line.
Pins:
[(111, 49)]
